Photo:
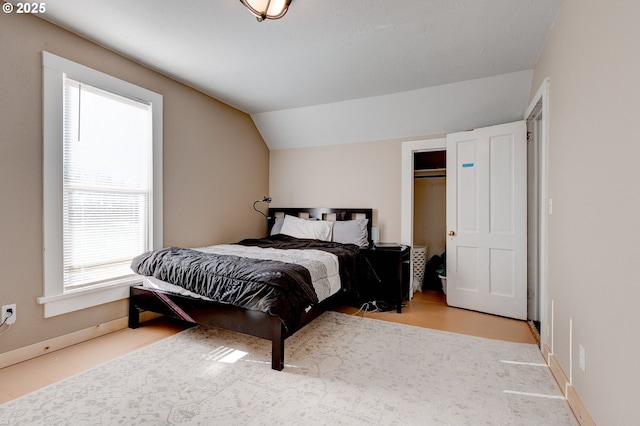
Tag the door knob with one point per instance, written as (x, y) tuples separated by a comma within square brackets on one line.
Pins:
[(452, 233)]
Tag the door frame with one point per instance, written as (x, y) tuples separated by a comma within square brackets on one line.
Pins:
[(539, 105), (539, 100), (539, 109), (406, 196)]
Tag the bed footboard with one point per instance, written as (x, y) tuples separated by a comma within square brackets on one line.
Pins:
[(199, 311)]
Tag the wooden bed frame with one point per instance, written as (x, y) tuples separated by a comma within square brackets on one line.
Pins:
[(253, 323)]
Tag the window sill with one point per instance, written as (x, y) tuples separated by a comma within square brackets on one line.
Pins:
[(86, 297)]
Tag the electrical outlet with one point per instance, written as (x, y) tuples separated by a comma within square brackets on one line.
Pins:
[(8, 316), (582, 360)]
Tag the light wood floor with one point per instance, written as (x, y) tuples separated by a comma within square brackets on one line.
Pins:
[(427, 309)]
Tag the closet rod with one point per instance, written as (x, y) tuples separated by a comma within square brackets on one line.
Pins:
[(429, 177)]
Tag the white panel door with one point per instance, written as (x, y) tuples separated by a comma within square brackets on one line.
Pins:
[(487, 220)]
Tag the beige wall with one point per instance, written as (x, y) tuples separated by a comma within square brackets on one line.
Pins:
[(215, 165), (430, 214), (592, 60), (363, 175)]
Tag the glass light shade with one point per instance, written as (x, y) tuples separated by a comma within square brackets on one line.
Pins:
[(267, 9)]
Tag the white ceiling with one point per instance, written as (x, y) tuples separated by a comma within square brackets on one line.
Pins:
[(335, 71)]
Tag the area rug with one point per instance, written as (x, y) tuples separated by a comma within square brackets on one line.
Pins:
[(339, 370)]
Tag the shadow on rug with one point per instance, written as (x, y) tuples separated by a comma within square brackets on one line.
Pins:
[(340, 370)]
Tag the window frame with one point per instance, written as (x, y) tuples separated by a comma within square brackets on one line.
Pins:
[(55, 299)]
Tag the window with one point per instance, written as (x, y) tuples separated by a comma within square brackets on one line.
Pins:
[(102, 184)]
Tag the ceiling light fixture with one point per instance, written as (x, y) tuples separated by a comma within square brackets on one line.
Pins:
[(267, 9)]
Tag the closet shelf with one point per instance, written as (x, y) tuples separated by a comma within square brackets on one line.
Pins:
[(430, 173)]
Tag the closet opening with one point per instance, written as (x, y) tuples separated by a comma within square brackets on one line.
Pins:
[(429, 220)]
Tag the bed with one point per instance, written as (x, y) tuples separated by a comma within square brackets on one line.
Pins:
[(267, 287)]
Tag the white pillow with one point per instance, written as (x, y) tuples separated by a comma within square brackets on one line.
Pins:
[(301, 228)]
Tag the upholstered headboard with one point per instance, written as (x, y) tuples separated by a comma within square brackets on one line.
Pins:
[(321, 213)]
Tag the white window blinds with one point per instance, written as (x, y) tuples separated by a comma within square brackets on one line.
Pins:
[(107, 184)]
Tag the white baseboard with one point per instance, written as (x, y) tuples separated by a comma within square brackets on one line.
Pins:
[(60, 342), (578, 408)]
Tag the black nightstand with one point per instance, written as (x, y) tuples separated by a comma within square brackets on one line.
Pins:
[(392, 263)]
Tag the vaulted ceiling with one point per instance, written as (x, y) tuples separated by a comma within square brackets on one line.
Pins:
[(333, 72)]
